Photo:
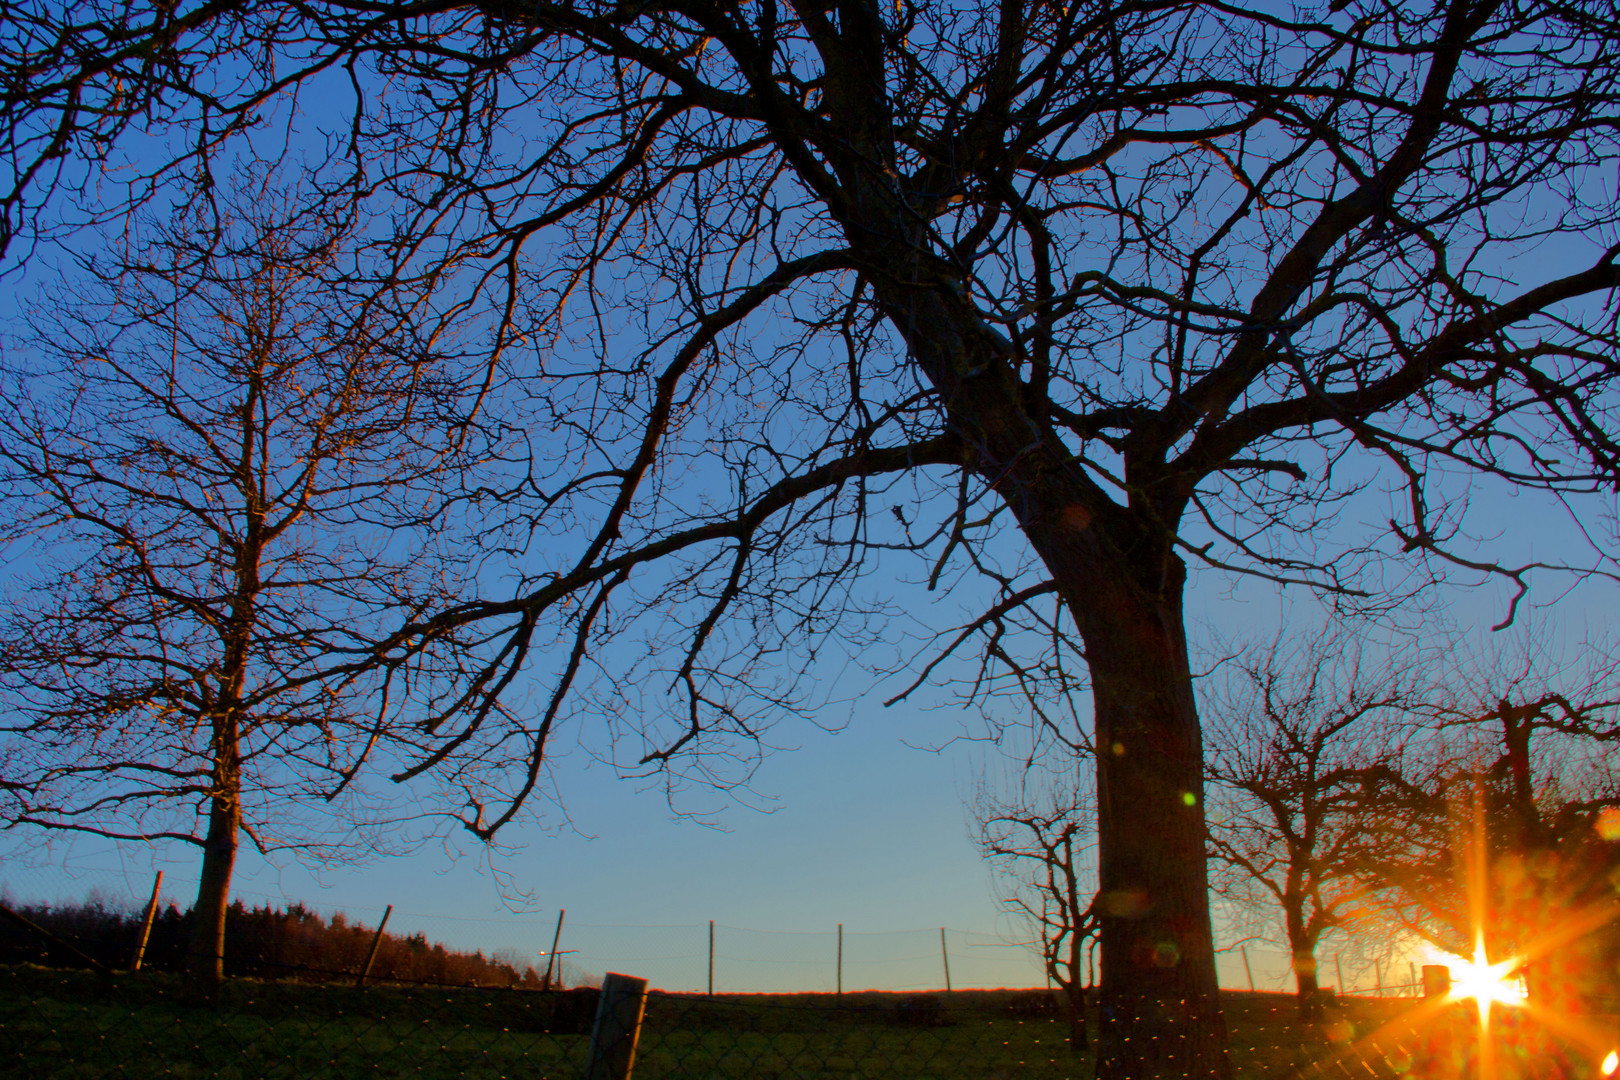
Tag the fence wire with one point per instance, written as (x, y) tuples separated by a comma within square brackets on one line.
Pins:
[(314, 1023)]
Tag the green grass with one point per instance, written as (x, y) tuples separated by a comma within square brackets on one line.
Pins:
[(66, 1024)]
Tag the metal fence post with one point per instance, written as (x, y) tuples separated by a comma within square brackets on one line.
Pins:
[(618, 1025), (840, 983)]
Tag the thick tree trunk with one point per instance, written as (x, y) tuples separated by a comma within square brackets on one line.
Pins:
[(206, 966), (1120, 578), (1159, 1000), (1158, 956)]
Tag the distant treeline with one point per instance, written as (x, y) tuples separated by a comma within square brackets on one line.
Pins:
[(262, 943)]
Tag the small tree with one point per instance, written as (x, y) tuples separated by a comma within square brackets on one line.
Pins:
[(1040, 843), (1304, 756), (218, 471)]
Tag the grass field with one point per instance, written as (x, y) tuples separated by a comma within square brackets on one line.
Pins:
[(74, 1024)]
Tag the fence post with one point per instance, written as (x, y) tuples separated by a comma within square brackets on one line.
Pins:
[(618, 1026), (840, 958), (551, 957), (1247, 970), (1436, 980), (1338, 965), (711, 958), (946, 957), (376, 942), (146, 925)]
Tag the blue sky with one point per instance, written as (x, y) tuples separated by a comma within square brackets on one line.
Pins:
[(859, 827)]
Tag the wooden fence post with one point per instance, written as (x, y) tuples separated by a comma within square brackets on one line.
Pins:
[(946, 957), (551, 957), (1247, 970), (711, 958), (1436, 980), (146, 925), (618, 1026), (376, 942)]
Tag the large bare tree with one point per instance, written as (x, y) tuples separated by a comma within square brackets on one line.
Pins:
[(1056, 295), (218, 472)]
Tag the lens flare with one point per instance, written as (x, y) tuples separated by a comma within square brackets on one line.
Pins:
[(1611, 1063), (1485, 982)]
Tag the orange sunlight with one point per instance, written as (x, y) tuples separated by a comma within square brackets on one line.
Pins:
[(1485, 982)]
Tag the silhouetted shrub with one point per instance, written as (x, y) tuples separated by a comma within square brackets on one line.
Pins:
[(1040, 1004), (919, 1010), (261, 943), (574, 1011)]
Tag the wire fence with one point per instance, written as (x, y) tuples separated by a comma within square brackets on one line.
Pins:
[(69, 1007), (734, 958), (313, 1024)]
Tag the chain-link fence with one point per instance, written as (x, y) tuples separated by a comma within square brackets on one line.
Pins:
[(308, 1024), (296, 1003)]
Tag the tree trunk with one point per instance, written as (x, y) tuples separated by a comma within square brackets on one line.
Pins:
[(1122, 582), (1158, 957), (1159, 999), (206, 963), (1303, 951), (1074, 998), (1074, 989)]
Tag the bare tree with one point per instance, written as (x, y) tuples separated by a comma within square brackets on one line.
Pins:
[(1054, 296), (1307, 744), (1042, 844), (219, 471), (1509, 832)]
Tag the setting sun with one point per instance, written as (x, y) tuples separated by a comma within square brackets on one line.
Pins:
[(1486, 982)]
